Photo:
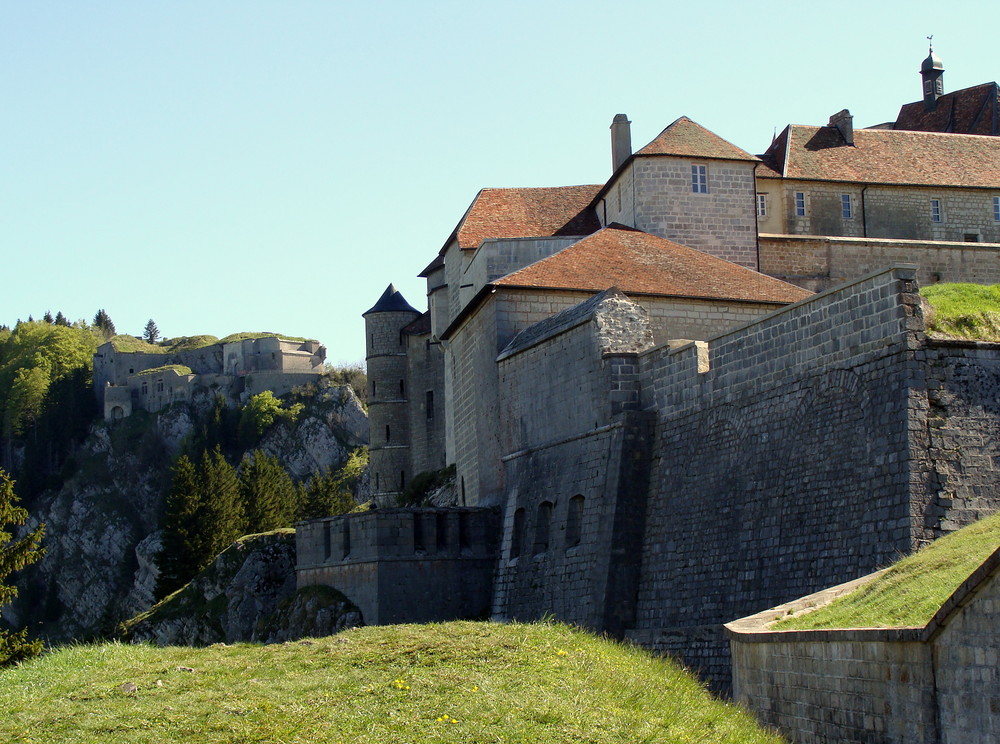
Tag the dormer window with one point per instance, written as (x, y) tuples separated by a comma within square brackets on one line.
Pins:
[(699, 179)]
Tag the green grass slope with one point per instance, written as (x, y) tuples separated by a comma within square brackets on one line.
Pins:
[(451, 682), (969, 311), (913, 589)]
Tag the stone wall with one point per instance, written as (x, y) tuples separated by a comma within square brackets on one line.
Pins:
[(781, 462), (936, 684), (404, 565), (496, 258), (656, 197), (425, 373), (819, 262)]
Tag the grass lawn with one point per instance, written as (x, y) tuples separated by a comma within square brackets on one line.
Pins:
[(450, 682), (964, 310), (912, 590)]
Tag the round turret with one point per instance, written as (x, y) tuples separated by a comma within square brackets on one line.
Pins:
[(388, 418)]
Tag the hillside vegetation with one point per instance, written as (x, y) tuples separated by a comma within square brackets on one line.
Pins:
[(912, 590), (451, 682), (969, 311)]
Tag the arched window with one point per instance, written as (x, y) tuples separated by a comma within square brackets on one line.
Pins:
[(543, 525), (574, 521)]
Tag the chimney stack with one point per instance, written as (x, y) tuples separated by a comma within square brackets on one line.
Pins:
[(621, 141), (844, 123)]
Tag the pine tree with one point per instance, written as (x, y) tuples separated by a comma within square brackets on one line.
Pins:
[(325, 496), (61, 319), (222, 515), (15, 555), (268, 493), (104, 324), (151, 333), (48, 318), (183, 545)]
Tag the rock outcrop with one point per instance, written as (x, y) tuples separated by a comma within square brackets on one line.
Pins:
[(247, 594)]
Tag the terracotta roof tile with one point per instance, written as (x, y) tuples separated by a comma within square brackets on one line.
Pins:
[(886, 157), (974, 110), (639, 263), (528, 213), (687, 139)]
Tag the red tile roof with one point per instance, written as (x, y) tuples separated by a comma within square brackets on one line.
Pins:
[(527, 213), (639, 263), (687, 139), (973, 110), (885, 157)]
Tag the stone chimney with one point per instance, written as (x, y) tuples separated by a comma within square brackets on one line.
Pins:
[(844, 123), (621, 141)]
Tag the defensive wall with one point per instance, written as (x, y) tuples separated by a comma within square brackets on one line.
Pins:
[(404, 565), (936, 684), (819, 262)]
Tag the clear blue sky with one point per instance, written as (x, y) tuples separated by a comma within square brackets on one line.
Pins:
[(235, 165)]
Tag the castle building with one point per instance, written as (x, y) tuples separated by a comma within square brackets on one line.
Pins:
[(637, 380)]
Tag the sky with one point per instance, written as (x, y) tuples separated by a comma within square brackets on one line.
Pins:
[(222, 166)]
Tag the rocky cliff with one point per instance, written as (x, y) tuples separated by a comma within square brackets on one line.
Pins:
[(247, 594), (103, 523)]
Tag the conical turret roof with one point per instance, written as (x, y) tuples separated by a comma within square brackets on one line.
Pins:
[(391, 301)]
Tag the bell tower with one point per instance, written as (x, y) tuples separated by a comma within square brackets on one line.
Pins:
[(932, 73)]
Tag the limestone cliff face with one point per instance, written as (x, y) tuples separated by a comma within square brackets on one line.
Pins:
[(103, 526), (248, 594)]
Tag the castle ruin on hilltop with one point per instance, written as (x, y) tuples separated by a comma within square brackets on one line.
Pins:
[(690, 393), (151, 380)]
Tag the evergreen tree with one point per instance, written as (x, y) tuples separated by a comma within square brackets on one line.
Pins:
[(268, 493), (15, 555), (183, 545), (103, 323), (48, 318), (151, 333), (61, 319), (222, 515), (325, 495)]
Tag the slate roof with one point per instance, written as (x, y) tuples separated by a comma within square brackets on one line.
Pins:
[(974, 110), (687, 139), (527, 213), (391, 301), (639, 263), (881, 156)]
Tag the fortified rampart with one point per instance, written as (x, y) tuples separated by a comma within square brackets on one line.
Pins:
[(935, 684), (404, 565), (124, 381), (819, 262)]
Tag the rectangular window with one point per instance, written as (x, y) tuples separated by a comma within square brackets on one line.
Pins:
[(762, 205), (846, 208), (429, 404), (800, 204), (996, 208), (699, 179), (935, 210)]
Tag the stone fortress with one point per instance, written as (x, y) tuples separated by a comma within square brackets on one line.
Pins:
[(135, 380), (696, 391)]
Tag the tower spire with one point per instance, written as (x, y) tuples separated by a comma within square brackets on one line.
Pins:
[(932, 72)]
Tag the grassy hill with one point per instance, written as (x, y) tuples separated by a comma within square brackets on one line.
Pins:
[(450, 682), (912, 590), (964, 310)]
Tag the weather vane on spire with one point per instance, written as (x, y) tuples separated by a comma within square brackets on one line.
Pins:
[(930, 43)]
